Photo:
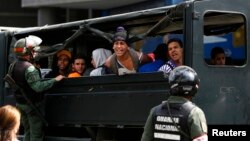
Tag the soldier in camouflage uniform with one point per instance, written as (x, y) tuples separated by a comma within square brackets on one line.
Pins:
[(28, 77)]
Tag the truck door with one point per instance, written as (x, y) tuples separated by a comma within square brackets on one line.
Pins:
[(224, 89), (4, 38)]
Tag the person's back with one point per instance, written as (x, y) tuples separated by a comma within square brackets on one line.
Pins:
[(99, 57), (9, 123), (160, 55), (178, 118)]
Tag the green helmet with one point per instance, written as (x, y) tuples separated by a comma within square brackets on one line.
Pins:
[(24, 46)]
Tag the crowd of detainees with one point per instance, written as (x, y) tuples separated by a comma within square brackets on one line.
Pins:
[(123, 59)]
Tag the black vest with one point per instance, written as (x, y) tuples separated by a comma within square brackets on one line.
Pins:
[(164, 128), (18, 74)]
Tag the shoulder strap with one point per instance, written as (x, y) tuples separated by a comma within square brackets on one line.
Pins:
[(9, 81), (113, 64), (188, 106), (11, 68), (135, 58)]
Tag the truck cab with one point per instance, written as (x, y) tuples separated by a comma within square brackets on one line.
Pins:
[(115, 107)]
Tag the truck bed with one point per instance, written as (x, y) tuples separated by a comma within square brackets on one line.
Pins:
[(109, 100)]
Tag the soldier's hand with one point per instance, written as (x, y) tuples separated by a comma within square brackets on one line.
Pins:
[(59, 77)]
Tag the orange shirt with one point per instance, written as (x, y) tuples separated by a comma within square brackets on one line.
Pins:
[(74, 74)]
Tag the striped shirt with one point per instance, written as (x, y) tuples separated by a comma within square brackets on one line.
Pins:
[(167, 67)]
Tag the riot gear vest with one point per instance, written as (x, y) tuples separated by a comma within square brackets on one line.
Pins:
[(164, 127), (18, 75)]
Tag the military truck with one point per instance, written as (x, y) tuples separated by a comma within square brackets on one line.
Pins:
[(115, 107)]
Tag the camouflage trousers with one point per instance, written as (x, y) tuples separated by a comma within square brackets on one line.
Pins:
[(32, 123)]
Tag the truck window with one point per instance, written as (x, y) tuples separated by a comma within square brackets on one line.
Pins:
[(224, 39)]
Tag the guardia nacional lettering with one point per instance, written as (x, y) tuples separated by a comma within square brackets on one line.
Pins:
[(167, 119)]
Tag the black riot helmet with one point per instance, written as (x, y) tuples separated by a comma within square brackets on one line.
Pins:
[(183, 81)]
